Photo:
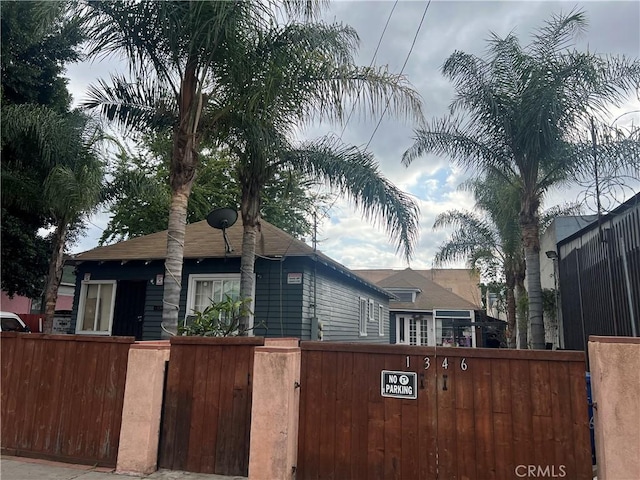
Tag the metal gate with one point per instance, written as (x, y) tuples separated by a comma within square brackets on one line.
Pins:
[(478, 413)]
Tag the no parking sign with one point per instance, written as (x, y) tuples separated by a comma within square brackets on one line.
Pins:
[(398, 384)]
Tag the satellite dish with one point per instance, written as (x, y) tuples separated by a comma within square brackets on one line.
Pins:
[(222, 218)]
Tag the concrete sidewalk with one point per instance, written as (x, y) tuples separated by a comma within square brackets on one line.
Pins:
[(19, 468)]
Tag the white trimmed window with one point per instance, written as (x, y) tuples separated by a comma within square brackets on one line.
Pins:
[(381, 320), (372, 310), (363, 317), (95, 311), (205, 288), (412, 330)]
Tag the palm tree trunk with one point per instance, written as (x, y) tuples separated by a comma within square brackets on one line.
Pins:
[(173, 261), (54, 276), (511, 310), (531, 244), (183, 167), (250, 211), (521, 315)]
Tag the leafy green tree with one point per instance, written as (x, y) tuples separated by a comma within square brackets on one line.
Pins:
[(141, 196), (35, 48), (74, 184), (36, 43), (222, 70), (176, 51), (519, 112)]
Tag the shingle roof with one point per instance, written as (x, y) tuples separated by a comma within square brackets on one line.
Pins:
[(201, 241), (431, 294)]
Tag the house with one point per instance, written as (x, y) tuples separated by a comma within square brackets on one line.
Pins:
[(299, 292), (24, 305), (599, 277), (423, 312), (30, 309), (560, 228)]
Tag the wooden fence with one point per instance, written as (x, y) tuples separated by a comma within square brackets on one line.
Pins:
[(207, 411), (62, 396), (479, 414)]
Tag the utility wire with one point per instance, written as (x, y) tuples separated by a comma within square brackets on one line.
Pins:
[(353, 107), (424, 14), (373, 59)]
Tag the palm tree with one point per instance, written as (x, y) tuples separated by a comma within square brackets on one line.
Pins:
[(174, 50), (68, 147), (292, 74), (218, 69), (489, 241), (521, 110)]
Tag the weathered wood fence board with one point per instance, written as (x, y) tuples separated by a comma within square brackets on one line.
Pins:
[(480, 413), (62, 396), (207, 410)]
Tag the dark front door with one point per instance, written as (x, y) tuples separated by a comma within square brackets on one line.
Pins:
[(128, 315)]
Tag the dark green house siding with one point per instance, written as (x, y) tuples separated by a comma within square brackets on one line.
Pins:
[(283, 307)]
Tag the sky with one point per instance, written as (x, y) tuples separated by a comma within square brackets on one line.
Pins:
[(614, 28)]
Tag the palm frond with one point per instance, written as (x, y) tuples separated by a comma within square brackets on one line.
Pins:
[(447, 137), (354, 173), (144, 106)]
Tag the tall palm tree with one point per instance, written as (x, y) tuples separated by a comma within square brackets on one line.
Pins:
[(488, 240), (174, 50), (295, 73), (69, 148), (517, 113), (247, 87)]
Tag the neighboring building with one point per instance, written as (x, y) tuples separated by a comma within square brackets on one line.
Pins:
[(465, 283), (423, 312), (298, 292), (23, 305), (560, 228), (599, 277)]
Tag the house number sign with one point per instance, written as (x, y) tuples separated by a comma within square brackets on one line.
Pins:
[(398, 384), (445, 363)]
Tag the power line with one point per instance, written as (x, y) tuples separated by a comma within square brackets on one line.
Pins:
[(424, 14), (375, 53)]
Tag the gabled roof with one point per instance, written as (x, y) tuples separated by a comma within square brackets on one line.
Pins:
[(202, 241), (463, 282), (431, 294)]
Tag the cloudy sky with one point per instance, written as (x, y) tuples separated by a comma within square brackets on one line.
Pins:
[(614, 27)]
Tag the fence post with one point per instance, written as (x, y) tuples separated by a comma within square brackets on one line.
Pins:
[(274, 411), (142, 408), (615, 362)]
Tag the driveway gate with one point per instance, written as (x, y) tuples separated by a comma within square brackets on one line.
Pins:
[(477, 413)]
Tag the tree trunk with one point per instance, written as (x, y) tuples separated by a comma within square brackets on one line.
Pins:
[(250, 211), (521, 315), (531, 244), (173, 261), (184, 160), (511, 311), (54, 276)]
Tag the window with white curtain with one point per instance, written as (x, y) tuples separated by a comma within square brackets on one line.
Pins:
[(95, 310)]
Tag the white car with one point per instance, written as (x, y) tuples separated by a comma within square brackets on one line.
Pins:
[(10, 322)]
